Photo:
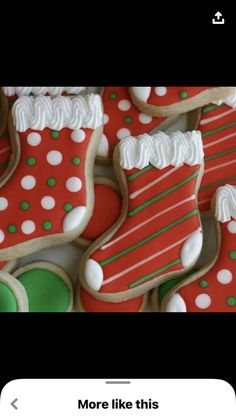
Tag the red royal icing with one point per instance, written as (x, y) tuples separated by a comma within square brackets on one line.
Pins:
[(165, 96)]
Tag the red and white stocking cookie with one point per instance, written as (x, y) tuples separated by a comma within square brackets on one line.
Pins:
[(122, 119), (168, 101), (214, 289), (159, 232), (49, 198)]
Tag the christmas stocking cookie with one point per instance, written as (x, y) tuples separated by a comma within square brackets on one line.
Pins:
[(122, 119), (49, 199), (214, 287), (168, 101), (159, 232)]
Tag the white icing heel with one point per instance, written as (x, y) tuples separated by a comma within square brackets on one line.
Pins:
[(142, 93), (176, 304), (93, 274), (191, 249)]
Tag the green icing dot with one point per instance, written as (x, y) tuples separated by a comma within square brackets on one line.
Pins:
[(51, 182), (183, 94), (113, 95), (55, 134), (11, 228), (232, 254), (7, 300), (31, 161), (128, 119), (231, 301), (46, 291), (75, 160), (203, 283), (68, 207), (47, 225), (24, 205)]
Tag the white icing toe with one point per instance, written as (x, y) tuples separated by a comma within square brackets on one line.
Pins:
[(141, 93), (191, 249), (73, 219), (93, 274), (103, 148), (176, 304)]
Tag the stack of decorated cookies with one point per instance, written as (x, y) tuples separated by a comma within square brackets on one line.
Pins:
[(156, 233)]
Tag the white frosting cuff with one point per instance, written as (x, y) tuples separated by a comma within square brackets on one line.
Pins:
[(230, 101), (56, 113), (161, 150), (225, 206), (54, 91)]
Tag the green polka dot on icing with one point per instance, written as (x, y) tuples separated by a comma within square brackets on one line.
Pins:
[(68, 207), (113, 95), (231, 301), (128, 119), (24, 205), (46, 291), (8, 301), (203, 283), (11, 228), (47, 225), (232, 254), (183, 94), (75, 160), (51, 182), (55, 134), (31, 161)]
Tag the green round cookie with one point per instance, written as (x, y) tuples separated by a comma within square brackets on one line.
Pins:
[(46, 290), (8, 302)]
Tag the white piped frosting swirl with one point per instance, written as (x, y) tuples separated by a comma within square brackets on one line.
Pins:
[(161, 150), (56, 113), (225, 206), (230, 101), (53, 91)]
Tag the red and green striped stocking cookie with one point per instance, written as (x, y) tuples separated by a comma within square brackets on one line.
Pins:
[(49, 198), (168, 101), (159, 232)]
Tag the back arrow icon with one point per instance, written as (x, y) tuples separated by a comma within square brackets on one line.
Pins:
[(13, 404)]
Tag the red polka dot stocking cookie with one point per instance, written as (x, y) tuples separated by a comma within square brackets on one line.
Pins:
[(159, 177), (49, 198), (214, 289), (168, 101)]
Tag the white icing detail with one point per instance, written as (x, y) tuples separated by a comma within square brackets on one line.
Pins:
[(3, 203), (229, 101), (105, 119), (54, 158), (160, 91), (73, 219), (191, 249), (78, 136), (123, 133), (203, 301), (56, 113), (48, 202), (231, 226), (73, 184), (34, 139), (28, 182), (28, 227), (124, 105), (2, 236), (54, 91), (224, 276), (161, 150), (176, 304), (225, 203), (142, 93), (103, 148), (93, 274), (144, 119)]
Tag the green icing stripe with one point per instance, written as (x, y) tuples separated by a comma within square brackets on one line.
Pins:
[(213, 131), (211, 108), (222, 153), (158, 271), (46, 291), (148, 238), (167, 286), (212, 185), (8, 303), (140, 172), (162, 195)]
